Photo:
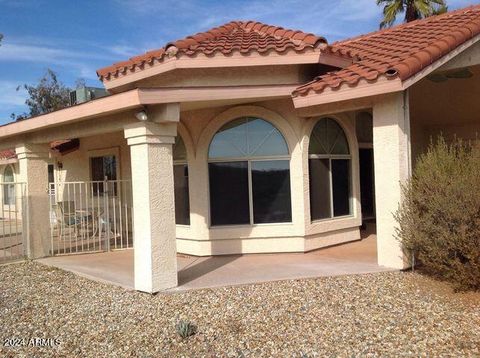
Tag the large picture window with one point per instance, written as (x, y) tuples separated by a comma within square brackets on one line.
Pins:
[(8, 189), (180, 178), (249, 174), (330, 171)]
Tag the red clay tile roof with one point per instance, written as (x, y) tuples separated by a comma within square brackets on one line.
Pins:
[(399, 52), (7, 154), (236, 36)]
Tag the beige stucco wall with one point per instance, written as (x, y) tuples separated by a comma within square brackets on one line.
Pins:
[(450, 108), (197, 129), (286, 74), (76, 165)]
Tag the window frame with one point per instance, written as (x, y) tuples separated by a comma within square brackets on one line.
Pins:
[(184, 162), (106, 152), (249, 159), (331, 157), (6, 187)]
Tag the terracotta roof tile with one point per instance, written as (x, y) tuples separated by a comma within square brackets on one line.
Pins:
[(399, 52), (236, 36), (7, 154)]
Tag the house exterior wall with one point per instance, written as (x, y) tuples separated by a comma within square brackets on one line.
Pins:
[(449, 108), (197, 128), (76, 165), (10, 210), (290, 74)]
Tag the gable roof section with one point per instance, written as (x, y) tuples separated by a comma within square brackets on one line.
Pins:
[(399, 52), (243, 37)]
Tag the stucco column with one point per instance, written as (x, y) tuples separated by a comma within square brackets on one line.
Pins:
[(33, 170), (391, 145), (153, 205)]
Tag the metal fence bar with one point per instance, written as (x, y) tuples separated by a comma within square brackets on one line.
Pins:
[(13, 216), (90, 216)]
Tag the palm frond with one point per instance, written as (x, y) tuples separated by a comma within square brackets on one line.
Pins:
[(390, 12)]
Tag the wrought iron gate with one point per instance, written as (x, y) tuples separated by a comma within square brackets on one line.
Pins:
[(90, 216), (13, 214)]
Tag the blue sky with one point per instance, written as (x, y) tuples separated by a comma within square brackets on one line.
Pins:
[(74, 38)]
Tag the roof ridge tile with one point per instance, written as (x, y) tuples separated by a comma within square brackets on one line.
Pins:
[(247, 35)]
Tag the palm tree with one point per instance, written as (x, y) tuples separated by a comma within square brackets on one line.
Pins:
[(414, 9)]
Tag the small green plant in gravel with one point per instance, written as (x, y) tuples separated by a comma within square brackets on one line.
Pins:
[(439, 218), (185, 329)]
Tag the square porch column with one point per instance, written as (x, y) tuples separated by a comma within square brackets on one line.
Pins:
[(33, 171), (391, 146), (155, 252)]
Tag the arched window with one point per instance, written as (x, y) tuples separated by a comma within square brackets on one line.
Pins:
[(180, 177), (8, 189), (249, 174), (330, 171)]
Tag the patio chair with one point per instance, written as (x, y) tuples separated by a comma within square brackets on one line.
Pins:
[(65, 218)]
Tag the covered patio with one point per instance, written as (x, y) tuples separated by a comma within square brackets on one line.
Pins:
[(203, 154), (116, 267)]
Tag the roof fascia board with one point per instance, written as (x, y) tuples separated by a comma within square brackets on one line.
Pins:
[(140, 97), (468, 58), (337, 107), (363, 89), (99, 107), (221, 61)]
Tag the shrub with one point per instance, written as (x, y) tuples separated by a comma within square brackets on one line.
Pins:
[(439, 218), (185, 329)]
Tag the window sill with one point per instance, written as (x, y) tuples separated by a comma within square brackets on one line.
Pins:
[(247, 226), (333, 224), (336, 218)]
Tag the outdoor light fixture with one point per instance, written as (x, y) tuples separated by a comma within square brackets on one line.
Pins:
[(142, 115)]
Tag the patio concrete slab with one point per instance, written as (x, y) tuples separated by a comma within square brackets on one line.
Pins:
[(207, 272)]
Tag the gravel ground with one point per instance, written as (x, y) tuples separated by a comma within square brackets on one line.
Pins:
[(376, 315)]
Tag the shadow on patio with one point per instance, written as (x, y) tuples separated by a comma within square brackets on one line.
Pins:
[(205, 272)]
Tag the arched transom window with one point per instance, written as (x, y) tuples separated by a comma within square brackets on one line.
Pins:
[(249, 174), (330, 171), (8, 189), (180, 177)]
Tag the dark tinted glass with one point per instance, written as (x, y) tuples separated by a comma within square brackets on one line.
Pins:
[(51, 173), (102, 167), (319, 189), (341, 186), (367, 185), (179, 150), (229, 193), (328, 138), (110, 167), (271, 191), (247, 137), (182, 202), (96, 166), (230, 140)]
